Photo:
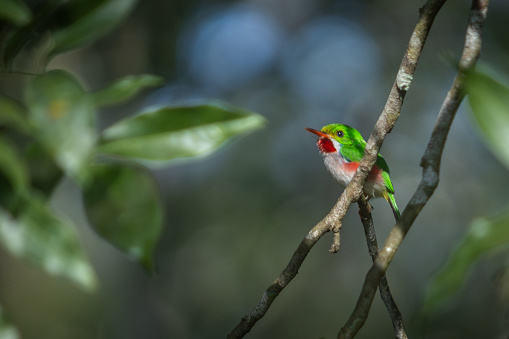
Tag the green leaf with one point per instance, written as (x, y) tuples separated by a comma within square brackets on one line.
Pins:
[(62, 119), (22, 36), (97, 20), (124, 88), (175, 132), (489, 100), (12, 167), (7, 330), (484, 235), (15, 12), (123, 207), (13, 177), (44, 172), (13, 114), (38, 236)]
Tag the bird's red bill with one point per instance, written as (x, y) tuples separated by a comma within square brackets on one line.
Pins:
[(319, 133)]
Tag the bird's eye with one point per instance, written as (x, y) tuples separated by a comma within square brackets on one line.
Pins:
[(340, 134)]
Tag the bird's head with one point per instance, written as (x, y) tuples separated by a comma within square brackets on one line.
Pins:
[(334, 136)]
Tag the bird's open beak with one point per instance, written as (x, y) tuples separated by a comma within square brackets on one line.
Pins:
[(319, 133)]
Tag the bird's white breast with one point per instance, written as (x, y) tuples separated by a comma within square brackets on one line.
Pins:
[(334, 162)]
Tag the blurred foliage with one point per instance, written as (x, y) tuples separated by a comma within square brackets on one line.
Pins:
[(169, 133), (123, 89), (489, 100), (484, 235), (85, 21), (7, 331), (61, 120), (125, 198), (52, 134), (15, 12), (35, 233)]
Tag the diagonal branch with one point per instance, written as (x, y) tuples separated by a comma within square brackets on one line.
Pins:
[(353, 191), (290, 271), (431, 167), (392, 109), (385, 292), (333, 220)]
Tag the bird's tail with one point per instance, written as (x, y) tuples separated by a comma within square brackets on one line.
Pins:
[(390, 198)]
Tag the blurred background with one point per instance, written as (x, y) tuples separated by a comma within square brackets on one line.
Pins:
[(234, 218)]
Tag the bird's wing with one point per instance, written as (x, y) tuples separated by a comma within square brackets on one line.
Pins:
[(388, 182), (382, 164)]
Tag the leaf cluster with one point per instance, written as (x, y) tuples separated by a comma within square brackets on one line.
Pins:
[(51, 134)]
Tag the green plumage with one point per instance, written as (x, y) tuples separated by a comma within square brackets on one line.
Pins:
[(352, 143), (352, 149), (392, 201)]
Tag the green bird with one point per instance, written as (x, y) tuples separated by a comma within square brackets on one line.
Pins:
[(342, 148)]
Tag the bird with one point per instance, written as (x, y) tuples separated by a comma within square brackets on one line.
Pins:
[(342, 148)]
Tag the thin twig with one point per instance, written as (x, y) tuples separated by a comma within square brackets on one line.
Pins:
[(431, 167), (385, 292), (333, 220)]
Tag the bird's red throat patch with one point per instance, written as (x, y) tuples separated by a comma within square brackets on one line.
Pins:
[(325, 145)]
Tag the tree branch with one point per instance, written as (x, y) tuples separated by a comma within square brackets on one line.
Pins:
[(247, 322), (333, 220), (385, 292), (431, 167), (392, 109)]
